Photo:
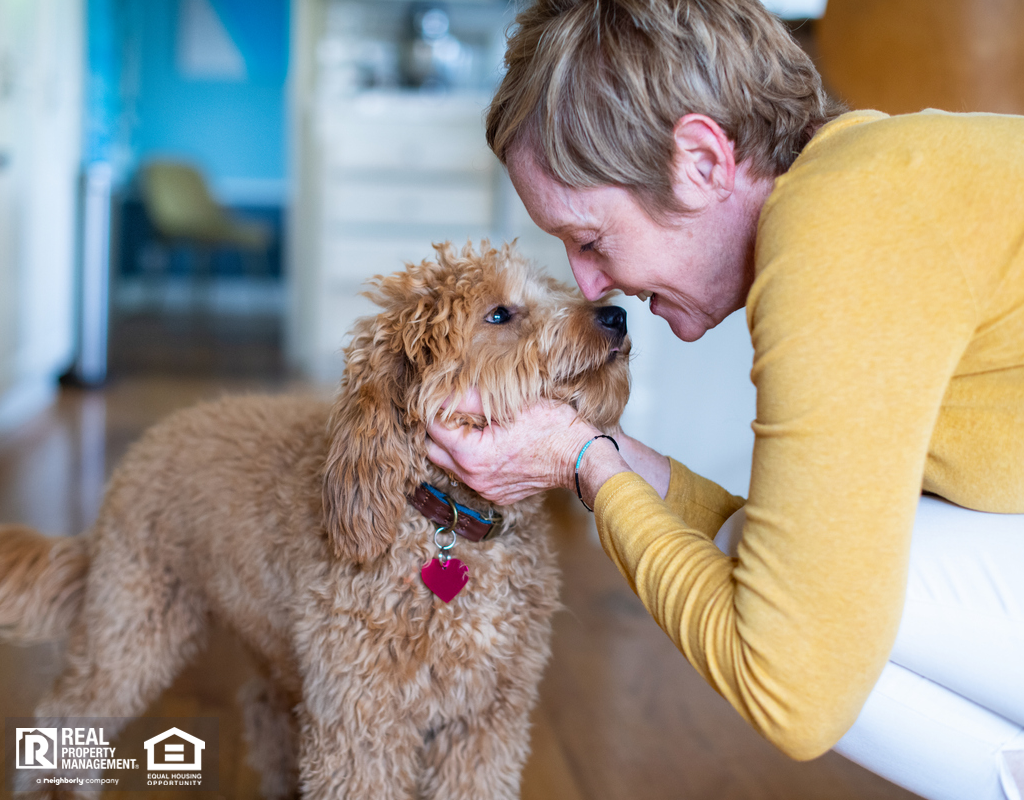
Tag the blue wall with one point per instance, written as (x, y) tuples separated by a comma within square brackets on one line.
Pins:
[(103, 104), (140, 105)]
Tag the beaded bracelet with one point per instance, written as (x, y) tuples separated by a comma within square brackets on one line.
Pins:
[(579, 460)]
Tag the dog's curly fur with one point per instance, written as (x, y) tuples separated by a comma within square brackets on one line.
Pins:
[(286, 519)]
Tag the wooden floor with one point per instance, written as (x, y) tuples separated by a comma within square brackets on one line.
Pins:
[(622, 715)]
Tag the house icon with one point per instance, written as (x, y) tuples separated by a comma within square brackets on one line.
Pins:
[(174, 750)]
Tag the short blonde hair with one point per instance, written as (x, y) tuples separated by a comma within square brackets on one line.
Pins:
[(595, 88)]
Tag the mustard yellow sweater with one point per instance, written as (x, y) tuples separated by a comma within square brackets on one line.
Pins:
[(887, 317)]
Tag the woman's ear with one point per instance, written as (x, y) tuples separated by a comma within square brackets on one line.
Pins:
[(704, 166)]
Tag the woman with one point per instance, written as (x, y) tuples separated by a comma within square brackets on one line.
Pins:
[(685, 149)]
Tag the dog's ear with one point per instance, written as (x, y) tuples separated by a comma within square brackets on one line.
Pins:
[(377, 430), (369, 453)]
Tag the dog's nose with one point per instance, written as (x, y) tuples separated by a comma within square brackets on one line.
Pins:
[(612, 319)]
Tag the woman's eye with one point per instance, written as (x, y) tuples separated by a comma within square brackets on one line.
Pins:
[(586, 248), (499, 316)]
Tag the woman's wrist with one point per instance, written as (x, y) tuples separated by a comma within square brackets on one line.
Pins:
[(598, 459), (647, 462)]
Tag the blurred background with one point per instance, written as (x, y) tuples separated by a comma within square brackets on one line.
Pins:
[(201, 186), (192, 193)]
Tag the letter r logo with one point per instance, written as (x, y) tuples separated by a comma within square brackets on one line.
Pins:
[(37, 748)]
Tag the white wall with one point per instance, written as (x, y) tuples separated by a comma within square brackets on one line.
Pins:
[(41, 48), (8, 207), (693, 400)]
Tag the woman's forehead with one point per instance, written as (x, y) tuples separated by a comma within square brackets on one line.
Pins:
[(555, 207)]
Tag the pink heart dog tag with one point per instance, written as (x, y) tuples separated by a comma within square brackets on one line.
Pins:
[(445, 581)]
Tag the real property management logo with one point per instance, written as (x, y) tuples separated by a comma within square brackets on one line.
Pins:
[(66, 749)]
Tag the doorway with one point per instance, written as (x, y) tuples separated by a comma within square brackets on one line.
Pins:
[(196, 87)]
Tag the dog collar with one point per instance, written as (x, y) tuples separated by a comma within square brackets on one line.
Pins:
[(438, 507)]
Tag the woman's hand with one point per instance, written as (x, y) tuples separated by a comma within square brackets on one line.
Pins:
[(508, 462)]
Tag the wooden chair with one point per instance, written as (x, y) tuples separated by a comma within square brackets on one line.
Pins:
[(900, 56)]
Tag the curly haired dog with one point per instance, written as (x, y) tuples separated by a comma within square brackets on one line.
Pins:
[(288, 520)]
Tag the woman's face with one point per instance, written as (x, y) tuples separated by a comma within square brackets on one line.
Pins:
[(689, 266)]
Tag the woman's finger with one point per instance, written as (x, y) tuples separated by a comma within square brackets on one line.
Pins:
[(441, 458), (469, 403), (438, 455), (447, 439)]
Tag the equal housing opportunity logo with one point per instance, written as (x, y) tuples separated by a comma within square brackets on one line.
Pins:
[(149, 753)]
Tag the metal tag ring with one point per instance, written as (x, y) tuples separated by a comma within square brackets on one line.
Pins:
[(455, 513), (451, 544)]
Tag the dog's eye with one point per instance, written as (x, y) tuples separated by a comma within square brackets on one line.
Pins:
[(499, 315)]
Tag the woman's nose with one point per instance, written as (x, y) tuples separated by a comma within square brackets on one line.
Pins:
[(592, 282)]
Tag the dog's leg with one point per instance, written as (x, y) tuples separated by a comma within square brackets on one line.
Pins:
[(482, 757), (364, 753), (269, 726)]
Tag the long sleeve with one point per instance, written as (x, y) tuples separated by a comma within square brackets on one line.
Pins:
[(702, 503), (865, 311)]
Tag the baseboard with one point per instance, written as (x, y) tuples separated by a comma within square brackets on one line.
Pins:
[(217, 296)]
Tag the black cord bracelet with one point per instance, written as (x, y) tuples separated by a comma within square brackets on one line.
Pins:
[(579, 460)]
